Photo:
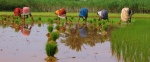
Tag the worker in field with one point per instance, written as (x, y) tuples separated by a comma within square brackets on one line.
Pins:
[(18, 12), (126, 14), (83, 29), (22, 12), (25, 29), (61, 13), (83, 14), (103, 14)]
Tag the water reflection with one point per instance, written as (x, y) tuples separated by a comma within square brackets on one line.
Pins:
[(17, 24), (80, 35), (87, 48)]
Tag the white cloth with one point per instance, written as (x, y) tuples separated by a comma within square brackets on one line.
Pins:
[(62, 16), (125, 14), (100, 13)]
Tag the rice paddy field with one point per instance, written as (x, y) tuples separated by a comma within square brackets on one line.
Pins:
[(112, 43)]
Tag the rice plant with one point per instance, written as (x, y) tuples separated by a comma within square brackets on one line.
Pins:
[(54, 36), (50, 28), (132, 41), (51, 48)]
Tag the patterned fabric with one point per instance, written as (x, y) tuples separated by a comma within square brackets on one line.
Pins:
[(62, 11), (83, 12), (17, 11), (26, 10), (103, 13)]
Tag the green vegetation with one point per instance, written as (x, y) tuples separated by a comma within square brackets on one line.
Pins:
[(132, 42), (50, 28), (113, 6), (54, 36), (51, 48)]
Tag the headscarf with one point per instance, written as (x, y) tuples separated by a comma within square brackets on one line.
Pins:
[(125, 14), (83, 12), (17, 11), (26, 10)]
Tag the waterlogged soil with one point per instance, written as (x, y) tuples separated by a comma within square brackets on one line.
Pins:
[(15, 47)]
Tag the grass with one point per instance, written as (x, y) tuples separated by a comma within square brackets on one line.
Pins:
[(52, 14), (132, 41)]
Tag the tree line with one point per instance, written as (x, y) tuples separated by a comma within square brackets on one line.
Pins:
[(113, 6)]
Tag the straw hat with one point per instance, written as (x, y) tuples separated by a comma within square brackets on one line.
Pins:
[(26, 32), (26, 10)]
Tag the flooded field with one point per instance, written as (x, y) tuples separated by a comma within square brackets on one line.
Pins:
[(15, 47)]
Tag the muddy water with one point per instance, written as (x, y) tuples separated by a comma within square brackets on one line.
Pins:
[(14, 47)]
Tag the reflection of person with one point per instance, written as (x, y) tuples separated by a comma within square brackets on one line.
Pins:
[(126, 14), (103, 14), (25, 29), (83, 14), (61, 13), (83, 31)]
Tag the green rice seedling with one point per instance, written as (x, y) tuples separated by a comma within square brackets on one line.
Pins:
[(54, 36), (50, 21), (50, 28), (72, 18), (104, 27), (132, 41), (51, 48), (57, 27), (39, 19)]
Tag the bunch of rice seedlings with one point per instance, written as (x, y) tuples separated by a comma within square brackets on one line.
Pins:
[(105, 27), (54, 36), (50, 21), (51, 48), (50, 28), (57, 27)]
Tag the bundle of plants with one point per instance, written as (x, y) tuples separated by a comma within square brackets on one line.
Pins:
[(54, 36), (39, 22), (50, 28), (51, 48)]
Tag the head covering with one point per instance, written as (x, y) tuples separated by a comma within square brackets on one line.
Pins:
[(57, 12), (25, 31), (26, 10), (83, 12), (103, 13), (61, 13), (17, 11), (125, 14)]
